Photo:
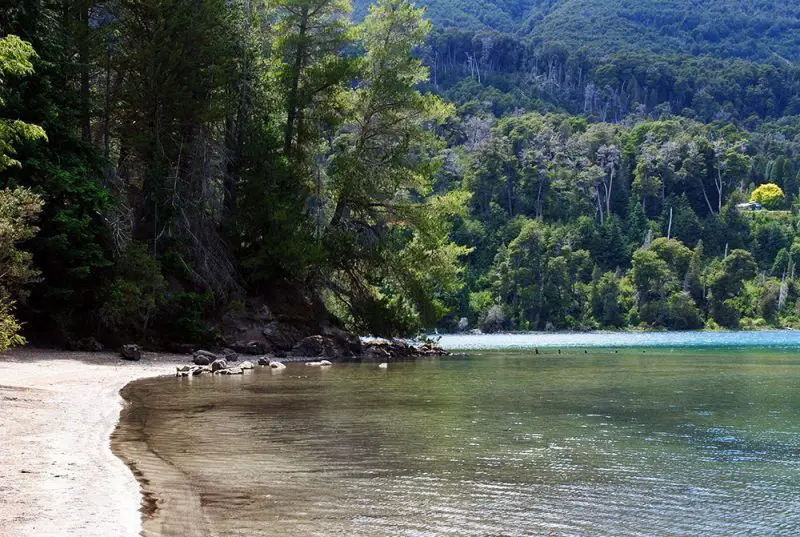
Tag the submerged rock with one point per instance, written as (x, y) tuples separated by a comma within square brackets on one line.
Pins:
[(131, 352), (190, 371)]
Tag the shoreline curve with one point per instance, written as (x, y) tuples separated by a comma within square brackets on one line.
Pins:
[(58, 474)]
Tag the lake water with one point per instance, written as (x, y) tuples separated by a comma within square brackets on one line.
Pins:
[(596, 442)]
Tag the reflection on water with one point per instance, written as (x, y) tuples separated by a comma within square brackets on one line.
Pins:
[(502, 444)]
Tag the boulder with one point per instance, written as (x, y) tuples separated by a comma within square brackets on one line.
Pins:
[(131, 352), (277, 365), (281, 335), (264, 360), (203, 357), (230, 355), (219, 364), (325, 363), (314, 364), (310, 346), (463, 325), (383, 365), (247, 365), (344, 343)]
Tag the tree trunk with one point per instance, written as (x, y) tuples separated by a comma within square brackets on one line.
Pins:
[(294, 89)]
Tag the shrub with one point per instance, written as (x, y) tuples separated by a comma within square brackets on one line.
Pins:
[(135, 294), (769, 195), (18, 209)]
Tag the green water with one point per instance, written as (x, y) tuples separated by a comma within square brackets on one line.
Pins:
[(495, 444)]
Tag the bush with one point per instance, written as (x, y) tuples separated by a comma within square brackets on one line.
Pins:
[(682, 313), (18, 209), (769, 195), (495, 320), (135, 294), (9, 327)]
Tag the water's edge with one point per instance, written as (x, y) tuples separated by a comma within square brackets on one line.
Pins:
[(170, 505)]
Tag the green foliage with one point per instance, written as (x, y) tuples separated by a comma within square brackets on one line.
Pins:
[(19, 208), (769, 195), (135, 295), (16, 60), (584, 179)]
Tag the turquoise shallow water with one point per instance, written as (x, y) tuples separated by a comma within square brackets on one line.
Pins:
[(777, 339), (639, 442)]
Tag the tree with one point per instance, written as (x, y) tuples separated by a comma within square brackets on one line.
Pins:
[(16, 58), (72, 247), (727, 284), (387, 235), (769, 195), (18, 207)]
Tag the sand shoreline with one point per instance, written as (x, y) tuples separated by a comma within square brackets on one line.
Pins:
[(58, 474)]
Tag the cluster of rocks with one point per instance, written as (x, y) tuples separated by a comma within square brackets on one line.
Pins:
[(397, 350), (217, 368), (210, 363), (294, 325)]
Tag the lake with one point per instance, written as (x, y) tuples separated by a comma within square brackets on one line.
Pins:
[(616, 440)]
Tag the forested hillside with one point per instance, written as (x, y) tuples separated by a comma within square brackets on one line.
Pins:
[(194, 158), (614, 203), (747, 29), (515, 165)]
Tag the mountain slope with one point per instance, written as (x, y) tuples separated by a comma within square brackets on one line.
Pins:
[(747, 29)]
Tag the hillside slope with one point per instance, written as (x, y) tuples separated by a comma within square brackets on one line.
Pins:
[(746, 29)]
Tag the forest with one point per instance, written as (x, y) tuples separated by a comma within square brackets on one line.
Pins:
[(511, 165)]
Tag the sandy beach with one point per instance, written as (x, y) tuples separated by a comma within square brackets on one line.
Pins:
[(58, 476)]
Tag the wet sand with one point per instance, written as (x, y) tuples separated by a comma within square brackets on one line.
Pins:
[(58, 475)]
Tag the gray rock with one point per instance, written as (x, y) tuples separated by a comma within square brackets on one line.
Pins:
[(231, 371), (219, 364), (204, 357), (310, 346), (230, 355), (325, 363), (247, 365), (131, 352), (281, 336), (277, 365), (264, 360)]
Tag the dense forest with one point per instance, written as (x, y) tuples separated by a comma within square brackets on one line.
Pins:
[(525, 165)]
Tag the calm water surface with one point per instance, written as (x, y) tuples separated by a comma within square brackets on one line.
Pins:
[(500, 443)]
